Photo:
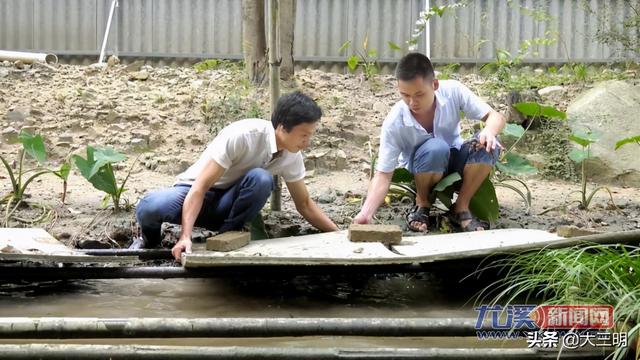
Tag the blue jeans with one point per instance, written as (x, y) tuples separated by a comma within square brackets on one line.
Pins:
[(435, 156), (222, 209)]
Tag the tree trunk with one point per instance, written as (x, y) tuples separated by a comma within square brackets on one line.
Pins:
[(287, 25), (274, 82), (254, 42)]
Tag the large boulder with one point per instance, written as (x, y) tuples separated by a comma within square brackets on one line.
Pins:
[(611, 109)]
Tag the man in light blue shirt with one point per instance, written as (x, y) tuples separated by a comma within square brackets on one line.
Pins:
[(422, 133)]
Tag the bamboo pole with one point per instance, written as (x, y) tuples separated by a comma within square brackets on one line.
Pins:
[(84, 328), (133, 352), (274, 84)]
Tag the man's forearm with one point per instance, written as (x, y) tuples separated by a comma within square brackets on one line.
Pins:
[(316, 217), (190, 210), (378, 189), (495, 122)]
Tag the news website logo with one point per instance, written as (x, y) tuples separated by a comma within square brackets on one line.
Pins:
[(550, 326)]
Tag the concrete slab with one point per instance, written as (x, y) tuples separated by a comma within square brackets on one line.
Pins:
[(336, 249), (332, 248), (37, 245)]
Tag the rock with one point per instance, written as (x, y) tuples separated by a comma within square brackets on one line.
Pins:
[(341, 159), (139, 75), (17, 115), (138, 142), (67, 138), (4, 73), (538, 71), (610, 109), (10, 135), (134, 66), (113, 61), (550, 90), (573, 231), (18, 64), (380, 107), (327, 197)]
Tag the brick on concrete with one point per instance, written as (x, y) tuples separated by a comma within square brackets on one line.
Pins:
[(388, 234), (228, 241)]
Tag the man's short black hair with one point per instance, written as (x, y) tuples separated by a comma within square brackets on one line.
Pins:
[(294, 109), (413, 65)]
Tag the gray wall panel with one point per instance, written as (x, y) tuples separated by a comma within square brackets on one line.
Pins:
[(213, 28)]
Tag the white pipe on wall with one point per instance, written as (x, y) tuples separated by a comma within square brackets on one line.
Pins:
[(114, 4), (28, 57), (427, 31)]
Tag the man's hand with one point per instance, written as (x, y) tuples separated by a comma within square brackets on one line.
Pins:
[(184, 245), (362, 218), (488, 140)]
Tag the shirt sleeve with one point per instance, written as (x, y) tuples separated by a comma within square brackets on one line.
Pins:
[(474, 108), (389, 151), (227, 148), (295, 171)]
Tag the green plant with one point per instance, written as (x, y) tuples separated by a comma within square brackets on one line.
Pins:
[(447, 70), (208, 64), (629, 140), (33, 146), (587, 274), (97, 168), (365, 59), (511, 164), (503, 65), (585, 139), (425, 16)]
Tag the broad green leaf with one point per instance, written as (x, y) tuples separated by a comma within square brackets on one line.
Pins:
[(64, 171), (402, 176), (513, 130), (33, 146), (103, 179), (104, 156), (535, 109), (352, 62), (578, 155), (344, 46), (584, 138), (393, 46), (633, 139), (515, 165), (447, 181), (484, 204)]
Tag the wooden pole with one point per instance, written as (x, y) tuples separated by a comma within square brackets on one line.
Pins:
[(274, 84)]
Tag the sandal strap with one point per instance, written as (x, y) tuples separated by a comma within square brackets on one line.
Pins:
[(463, 215)]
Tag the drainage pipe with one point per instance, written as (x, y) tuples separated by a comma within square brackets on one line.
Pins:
[(132, 352), (144, 254), (28, 57), (83, 328)]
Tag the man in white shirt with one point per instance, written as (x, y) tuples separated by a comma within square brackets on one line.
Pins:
[(422, 133), (232, 180)]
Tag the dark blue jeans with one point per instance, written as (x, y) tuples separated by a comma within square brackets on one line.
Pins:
[(222, 210)]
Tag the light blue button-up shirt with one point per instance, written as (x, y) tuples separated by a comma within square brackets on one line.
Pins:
[(401, 132)]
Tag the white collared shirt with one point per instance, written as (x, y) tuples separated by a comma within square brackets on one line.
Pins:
[(401, 132), (242, 146)]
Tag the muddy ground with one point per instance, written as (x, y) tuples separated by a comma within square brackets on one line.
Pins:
[(164, 117)]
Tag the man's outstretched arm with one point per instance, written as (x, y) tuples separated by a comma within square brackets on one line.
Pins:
[(378, 189), (193, 204), (308, 208)]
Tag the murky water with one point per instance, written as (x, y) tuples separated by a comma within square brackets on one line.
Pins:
[(407, 295)]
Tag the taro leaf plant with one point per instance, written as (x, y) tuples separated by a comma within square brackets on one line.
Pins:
[(97, 168), (580, 156), (33, 147), (484, 204), (511, 164)]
